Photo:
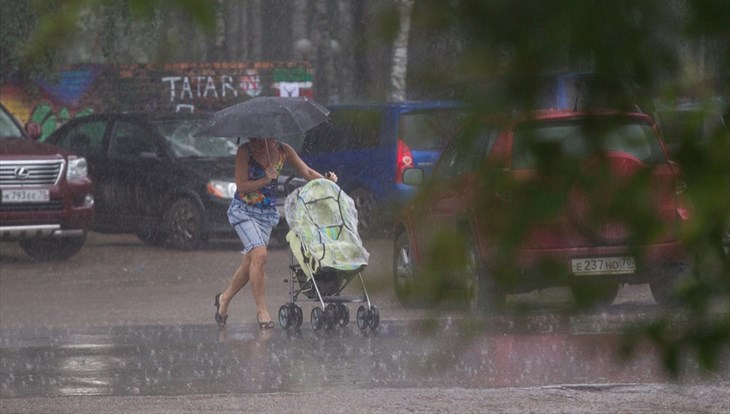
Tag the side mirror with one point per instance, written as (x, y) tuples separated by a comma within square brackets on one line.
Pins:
[(413, 176), (33, 130)]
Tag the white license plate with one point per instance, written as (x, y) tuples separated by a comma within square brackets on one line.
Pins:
[(603, 265), (26, 196)]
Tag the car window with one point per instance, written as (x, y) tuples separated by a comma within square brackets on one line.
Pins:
[(130, 140), (578, 139), (84, 138), (180, 134), (346, 130), (466, 153), (8, 128), (429, 129)]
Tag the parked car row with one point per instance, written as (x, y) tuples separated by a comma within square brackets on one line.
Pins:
[(543, 197)]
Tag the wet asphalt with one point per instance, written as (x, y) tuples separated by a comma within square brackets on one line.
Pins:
[(126, 320)]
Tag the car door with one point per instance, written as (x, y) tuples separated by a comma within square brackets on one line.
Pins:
[(456, 182), (134, 152)]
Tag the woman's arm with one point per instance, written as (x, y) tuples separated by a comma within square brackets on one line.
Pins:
[(243, 184), (302, 168)]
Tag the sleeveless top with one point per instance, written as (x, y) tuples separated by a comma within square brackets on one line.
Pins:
[(266, 195)]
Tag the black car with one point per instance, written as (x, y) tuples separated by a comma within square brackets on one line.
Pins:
[(153, 178)]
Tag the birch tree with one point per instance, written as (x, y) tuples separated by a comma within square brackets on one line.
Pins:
[(256, 52), (324, 66), (299, 30), (399, 67), (345, 57)]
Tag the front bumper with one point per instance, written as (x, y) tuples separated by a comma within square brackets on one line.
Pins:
[(12, 233)]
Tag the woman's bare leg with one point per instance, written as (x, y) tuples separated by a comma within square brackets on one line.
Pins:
[(238, 281), (256, 274)]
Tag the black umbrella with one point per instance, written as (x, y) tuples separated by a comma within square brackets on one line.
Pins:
[(265, 116)]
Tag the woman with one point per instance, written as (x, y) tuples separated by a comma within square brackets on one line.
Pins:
[(253, 215)]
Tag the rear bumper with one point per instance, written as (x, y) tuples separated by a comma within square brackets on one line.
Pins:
[(546, 268)]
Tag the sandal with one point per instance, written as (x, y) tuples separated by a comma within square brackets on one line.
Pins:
[(219, 319), (264, 325)]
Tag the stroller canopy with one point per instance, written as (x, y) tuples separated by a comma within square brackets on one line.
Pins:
[(323, 223)]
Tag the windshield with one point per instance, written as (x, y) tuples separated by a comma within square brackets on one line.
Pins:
[(8, 128), (578, 139), (179, 133)]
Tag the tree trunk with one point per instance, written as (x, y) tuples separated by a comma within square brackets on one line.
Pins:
[(242, 36), (300, 49), (324, 66), (256, 52), (233, 28), (220, 31), (345, 56), (400, 52)]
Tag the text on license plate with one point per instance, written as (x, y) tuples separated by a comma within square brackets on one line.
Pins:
[(26, 196), (603, 265)]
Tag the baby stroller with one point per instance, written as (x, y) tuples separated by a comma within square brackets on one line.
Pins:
[(329, 254)]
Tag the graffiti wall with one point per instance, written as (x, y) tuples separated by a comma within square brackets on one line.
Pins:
[(174, 87)]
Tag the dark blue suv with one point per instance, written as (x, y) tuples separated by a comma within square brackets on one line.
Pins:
[(369, 146)]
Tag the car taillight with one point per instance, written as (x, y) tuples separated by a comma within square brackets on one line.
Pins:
[(404, 159)]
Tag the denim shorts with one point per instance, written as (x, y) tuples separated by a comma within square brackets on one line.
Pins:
[(252, 224)]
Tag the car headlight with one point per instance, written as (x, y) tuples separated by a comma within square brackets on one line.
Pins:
[(77, 169), (222, 189)]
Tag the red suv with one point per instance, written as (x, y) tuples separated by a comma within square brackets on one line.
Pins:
[(550, 198), (46, 197)]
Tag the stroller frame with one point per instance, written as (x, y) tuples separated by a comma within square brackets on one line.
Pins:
[(324, 285), (331, 309)]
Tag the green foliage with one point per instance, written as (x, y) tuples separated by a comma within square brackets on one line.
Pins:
[(513, 42), (34, 32)]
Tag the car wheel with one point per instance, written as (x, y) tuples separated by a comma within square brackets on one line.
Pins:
[(594, 293), (367, 222), (403, 270), (481, 293), (150, 237), (184, 225), (53, 249), (664, 290)]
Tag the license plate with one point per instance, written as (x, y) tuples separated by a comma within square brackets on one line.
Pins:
[(603, 265), (26, 196)]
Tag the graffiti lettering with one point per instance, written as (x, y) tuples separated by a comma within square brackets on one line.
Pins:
[(251, 83), (172, 80), (192, 87), (168, 87), (186, 88), (227, 85), (210, 86)]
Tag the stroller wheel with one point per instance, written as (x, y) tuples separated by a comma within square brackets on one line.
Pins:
[(330, 313), (342, 315), (363, 318), (374, 317), (285, 316), (298, 317), (317, 319)]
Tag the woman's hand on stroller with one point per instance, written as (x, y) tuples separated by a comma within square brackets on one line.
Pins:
[(331, 176), (272, 173)]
